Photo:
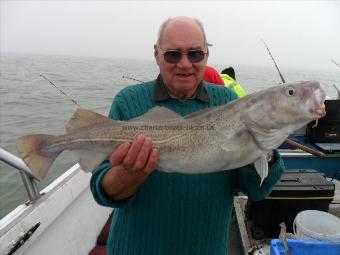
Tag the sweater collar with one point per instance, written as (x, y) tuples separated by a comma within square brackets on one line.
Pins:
[(163, 94)]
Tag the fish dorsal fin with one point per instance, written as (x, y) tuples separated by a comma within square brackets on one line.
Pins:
[(159, 114), (85, 118)]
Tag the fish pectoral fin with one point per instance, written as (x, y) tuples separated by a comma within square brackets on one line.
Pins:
[(266, 139), (226, 148), (89, 160), (159, 113), (85, 118), (261, 166), (237, 138)]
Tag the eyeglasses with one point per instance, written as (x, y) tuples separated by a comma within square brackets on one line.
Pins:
[(174, 56)]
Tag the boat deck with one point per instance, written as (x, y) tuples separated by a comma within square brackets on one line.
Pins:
[(241, 241)]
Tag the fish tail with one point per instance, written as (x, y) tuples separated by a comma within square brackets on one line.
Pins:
[(30, 148)]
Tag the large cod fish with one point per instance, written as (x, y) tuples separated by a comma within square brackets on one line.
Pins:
[(215, 139)]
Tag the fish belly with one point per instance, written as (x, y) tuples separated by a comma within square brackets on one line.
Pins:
[(202, 154)]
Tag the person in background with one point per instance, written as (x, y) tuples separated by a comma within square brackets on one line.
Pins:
[(212, 76), (229, 79), (172, 213)]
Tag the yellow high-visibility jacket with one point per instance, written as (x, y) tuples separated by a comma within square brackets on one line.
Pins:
[(230, 83)]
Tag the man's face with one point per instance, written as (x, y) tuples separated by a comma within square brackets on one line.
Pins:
[(183, 77)]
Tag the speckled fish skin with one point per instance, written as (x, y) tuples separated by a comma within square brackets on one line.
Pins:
[(238, 133), (210, 140)]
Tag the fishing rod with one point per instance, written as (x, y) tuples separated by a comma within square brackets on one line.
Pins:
[(335, 86), (338, 90), (335, 63), (131, 78), (61, 91), (74, 101), (270, 54), (289, 141)]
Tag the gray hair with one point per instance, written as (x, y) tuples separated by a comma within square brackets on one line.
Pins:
[(166, 22)]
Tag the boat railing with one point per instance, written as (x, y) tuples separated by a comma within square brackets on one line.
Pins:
[(29, 180)]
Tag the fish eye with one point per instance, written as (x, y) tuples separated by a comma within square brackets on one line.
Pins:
[(290, 91)]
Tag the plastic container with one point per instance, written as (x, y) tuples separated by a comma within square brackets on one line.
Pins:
[(316, 225), (299, 247), (296, 191)]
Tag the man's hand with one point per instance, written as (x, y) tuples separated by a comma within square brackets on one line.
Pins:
[(131, 163)]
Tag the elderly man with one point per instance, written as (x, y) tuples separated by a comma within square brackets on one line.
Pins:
[(162, 213)]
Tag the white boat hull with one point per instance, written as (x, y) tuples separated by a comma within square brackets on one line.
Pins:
[(70, 220)]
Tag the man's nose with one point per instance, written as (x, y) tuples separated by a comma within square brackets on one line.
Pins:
[(184, 62)]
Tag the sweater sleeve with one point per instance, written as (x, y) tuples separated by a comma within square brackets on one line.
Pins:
[(98, 173), (249, 180)]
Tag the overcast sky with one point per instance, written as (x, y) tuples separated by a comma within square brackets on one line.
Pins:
[(303, 34)]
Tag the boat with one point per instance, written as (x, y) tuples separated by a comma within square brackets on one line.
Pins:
[(62, 218)]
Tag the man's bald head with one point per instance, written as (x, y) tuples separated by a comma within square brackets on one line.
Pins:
[(179, 20)]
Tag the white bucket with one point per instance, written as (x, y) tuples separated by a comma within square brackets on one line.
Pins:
[(313, 225)]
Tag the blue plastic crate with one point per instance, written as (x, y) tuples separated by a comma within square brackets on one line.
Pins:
[(299, 247)]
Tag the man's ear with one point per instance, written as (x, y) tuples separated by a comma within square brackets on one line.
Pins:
[(206, 59), (156, 54)]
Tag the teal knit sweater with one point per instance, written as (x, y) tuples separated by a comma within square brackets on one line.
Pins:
[(176, 213)]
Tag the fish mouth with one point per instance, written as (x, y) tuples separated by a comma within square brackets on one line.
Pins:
[(321, 112), (317, 106)]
